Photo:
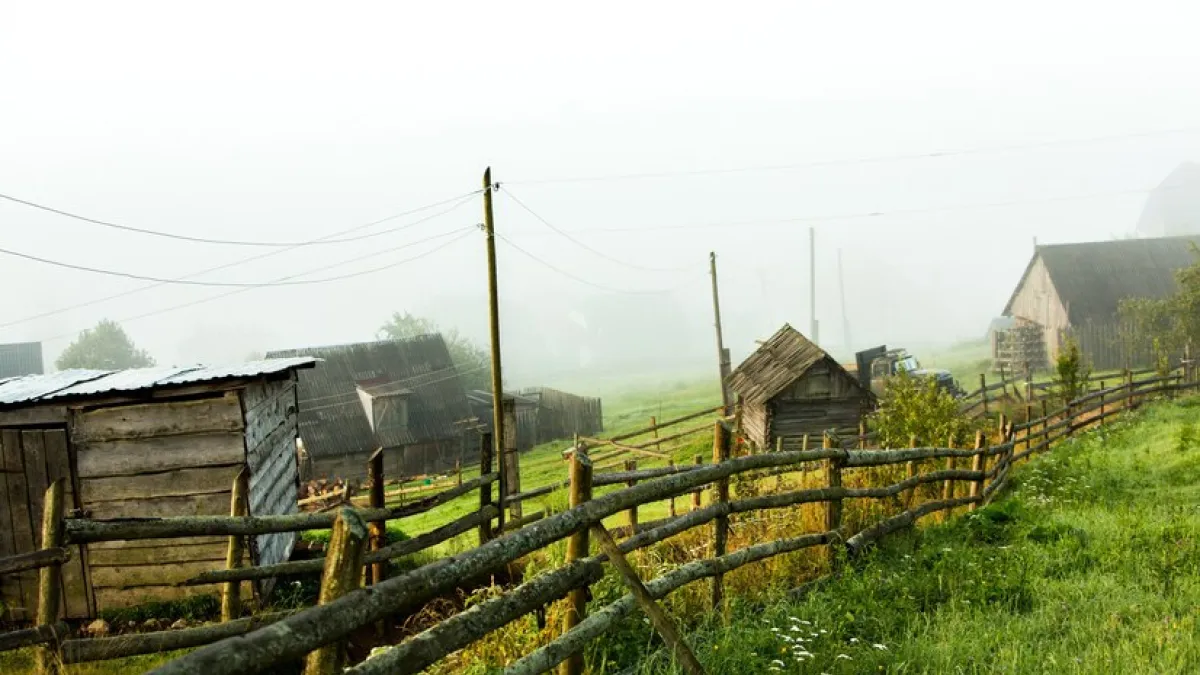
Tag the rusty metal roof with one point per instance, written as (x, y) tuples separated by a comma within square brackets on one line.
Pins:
[(81, 383)]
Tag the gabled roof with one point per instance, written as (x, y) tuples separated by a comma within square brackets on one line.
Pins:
[(1092, 278), (332, 419), (79, 383), (776, 364), (1173, 208)]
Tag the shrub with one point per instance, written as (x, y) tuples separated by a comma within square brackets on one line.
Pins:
[(1071, 372), (917, 407)]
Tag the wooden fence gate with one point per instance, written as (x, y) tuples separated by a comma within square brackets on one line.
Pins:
[(31, 459)]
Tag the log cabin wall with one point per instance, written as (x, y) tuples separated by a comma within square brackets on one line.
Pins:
[(158, 459), (824, 398)]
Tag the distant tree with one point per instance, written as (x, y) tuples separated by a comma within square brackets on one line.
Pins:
[(105, 347), (469, 357)]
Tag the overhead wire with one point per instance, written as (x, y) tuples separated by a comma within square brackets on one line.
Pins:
[(864, 214), (458, 202), (855, 160), (462, 232), (207, 240), (579, 279), (566, 235)]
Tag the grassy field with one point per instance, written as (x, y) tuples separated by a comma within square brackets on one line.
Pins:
[(1090, 565)]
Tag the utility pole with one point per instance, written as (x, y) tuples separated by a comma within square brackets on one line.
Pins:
[(812, 284), (489, 227), (723, 364), (842, 290)]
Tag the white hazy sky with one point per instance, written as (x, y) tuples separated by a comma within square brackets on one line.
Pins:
[(277, 121)]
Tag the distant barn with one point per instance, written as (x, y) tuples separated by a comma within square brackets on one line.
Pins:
[(543, 414), (404, 396), (21, 358), (790, 387), (1077, 289), (144, 443)]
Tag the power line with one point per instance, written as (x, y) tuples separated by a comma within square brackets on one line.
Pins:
[(851, 161), (864, 214), (582, 245), (209, 284), (204, 240), (581, 280), (275, 282), (459, 201)]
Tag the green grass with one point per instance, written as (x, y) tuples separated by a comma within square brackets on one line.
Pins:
[(1090, 565)]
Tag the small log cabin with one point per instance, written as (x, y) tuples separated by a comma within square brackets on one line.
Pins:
[(791, 387), (149, 442)]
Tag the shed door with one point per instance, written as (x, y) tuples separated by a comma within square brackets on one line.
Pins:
[(31, 460)]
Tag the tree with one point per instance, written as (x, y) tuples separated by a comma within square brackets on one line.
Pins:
[(1167, 324), (105, 347), (1071, 372), (470, 359)]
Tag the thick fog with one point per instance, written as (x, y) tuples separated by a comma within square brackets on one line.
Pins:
[(929, 142)]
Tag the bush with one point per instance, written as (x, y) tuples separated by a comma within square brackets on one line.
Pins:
[(918, 407), (1071, 372)]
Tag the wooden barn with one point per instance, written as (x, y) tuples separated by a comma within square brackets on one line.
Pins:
[(149, 442), (543, 414), (791, 387), (404, 396), (1077, 288)]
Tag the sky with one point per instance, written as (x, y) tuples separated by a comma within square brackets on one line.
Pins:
[(926, 144)]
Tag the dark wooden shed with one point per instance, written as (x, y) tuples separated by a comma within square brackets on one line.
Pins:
[(791, 387), (148, 442), (403, 396)]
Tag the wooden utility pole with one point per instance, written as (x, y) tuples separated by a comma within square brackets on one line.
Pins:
[(842, 292), (812, 285), (723, 364), (489, 227)]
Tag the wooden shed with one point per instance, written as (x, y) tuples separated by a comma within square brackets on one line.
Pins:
[(149, 442), (404, 396), (791, 387)]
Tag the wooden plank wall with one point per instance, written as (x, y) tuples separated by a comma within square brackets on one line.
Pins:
[(31, 460), (271, 413), (167, 458), (823, 398)]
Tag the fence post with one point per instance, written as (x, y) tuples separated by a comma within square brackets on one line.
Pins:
[(343, 571), (231, 592), (654, 432), (978, 463), (983, 392), (721, 524), (378, 529), (631, 465), (1129, 389), (50, 576), (862, 435), (485, 490), (948, 485), (1101, 402), (833, 507), (1045, 435), (779, 476), (671, 505), (910, 471), (458, 472), (512, 459), (577, 547)]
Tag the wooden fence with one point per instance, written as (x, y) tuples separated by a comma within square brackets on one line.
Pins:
[(358, 551)]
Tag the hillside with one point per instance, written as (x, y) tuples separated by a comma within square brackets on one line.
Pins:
[(1090, 565)]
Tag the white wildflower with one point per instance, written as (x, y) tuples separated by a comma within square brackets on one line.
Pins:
[(844, 657), (882, 648)]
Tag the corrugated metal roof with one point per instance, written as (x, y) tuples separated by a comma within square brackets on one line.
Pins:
[(79, 383)]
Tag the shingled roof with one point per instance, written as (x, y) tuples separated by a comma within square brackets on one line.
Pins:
[(784, 358), (332, 419), (1092, 278)]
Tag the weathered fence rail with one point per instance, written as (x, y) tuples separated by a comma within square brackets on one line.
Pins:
[(257, 644)]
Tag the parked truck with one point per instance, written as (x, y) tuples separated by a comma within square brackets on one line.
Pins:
[(877, 364)]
